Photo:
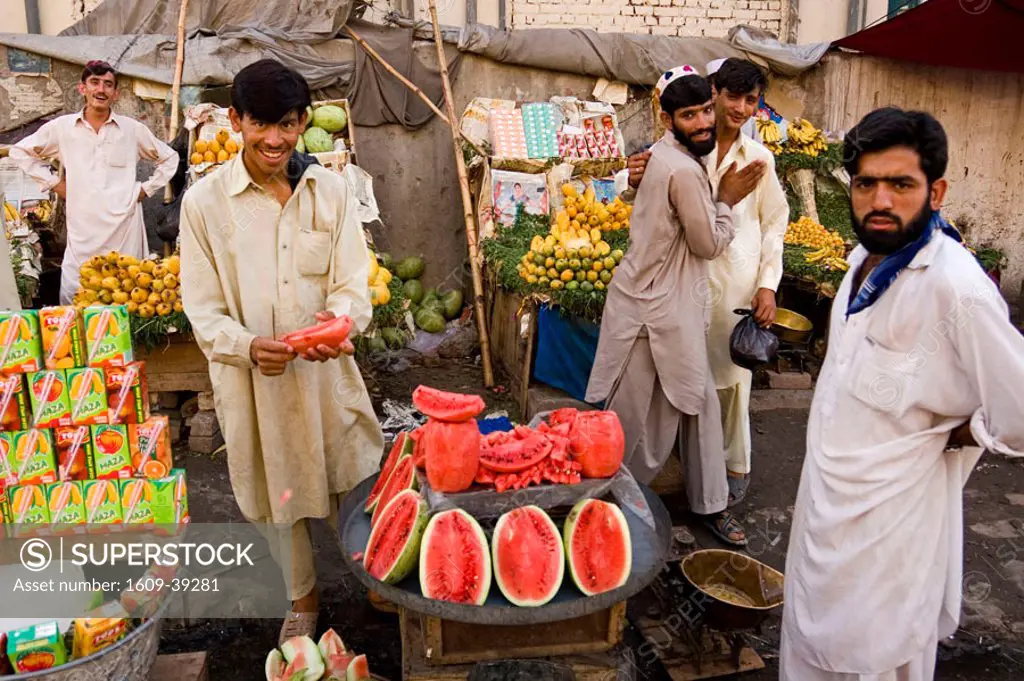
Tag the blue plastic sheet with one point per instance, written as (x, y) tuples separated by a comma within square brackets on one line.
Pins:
[(566, 347), (492, 424)]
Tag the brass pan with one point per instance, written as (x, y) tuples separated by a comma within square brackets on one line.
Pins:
[(792, 327)]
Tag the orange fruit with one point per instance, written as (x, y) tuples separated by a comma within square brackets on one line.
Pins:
[(154, 470)]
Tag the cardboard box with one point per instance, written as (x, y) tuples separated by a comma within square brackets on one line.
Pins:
[(128, 393), (108, 336), (88, 392), (112, 458), (63, 337), (15, 405), (75, 457), (21, 349), (51, 403)]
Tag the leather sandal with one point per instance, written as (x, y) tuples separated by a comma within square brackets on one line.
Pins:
[(298, 624), (723, 525)]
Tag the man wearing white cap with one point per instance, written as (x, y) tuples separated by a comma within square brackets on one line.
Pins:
[(747, 274), (652, 365)]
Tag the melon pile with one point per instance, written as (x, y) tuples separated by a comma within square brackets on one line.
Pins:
[(299, 659)]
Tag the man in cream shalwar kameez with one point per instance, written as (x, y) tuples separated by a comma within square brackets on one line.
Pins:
[(923, 349)]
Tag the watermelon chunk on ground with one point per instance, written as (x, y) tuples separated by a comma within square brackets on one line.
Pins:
[(598, 547), (403, 447), (455, 564), (529, 562), (402, 478), (394, 544)]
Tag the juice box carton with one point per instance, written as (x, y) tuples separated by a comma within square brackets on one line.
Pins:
[(102, 505), (75, 457), (151, 447), (7, 476), (137, 501), (21, 349), (67, 507), (112, 458), (93, 634), (153, 582), (51, 403), (128, 393), (35, 648), (31, 457), (30, 513), (108, 336), (170, 502), (15, 407), (63, 336), (87, 389)]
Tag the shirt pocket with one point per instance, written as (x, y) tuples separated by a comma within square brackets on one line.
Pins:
[(886, 380), (313, 253)]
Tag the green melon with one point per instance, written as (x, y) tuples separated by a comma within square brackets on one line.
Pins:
[(410, 268), (414, 290), (318, 140), (430, 320), (452, 301)]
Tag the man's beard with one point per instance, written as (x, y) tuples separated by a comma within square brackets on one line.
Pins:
[(885, 243), (698, 149)]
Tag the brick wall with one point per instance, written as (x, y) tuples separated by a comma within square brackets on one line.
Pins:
[(685, 18)]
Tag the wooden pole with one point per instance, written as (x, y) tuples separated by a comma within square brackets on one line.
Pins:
[(179, 66), (467, 203), (412, 86), (524, 386)]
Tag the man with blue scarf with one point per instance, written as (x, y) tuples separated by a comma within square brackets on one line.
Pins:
[(924, 371)]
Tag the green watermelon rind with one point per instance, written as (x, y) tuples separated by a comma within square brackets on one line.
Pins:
[(570, 531), (407, 447), (407, 559), (484, 551), (495, 540), (412, 484)]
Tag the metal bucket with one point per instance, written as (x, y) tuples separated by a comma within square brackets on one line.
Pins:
[(760, 584)]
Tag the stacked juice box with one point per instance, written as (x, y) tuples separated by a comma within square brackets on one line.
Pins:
[(78, 445)]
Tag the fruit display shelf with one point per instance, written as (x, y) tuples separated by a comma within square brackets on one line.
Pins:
[(649, 546)]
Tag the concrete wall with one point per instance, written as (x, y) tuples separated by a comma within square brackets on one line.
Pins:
[(54, 15), (822, 21)]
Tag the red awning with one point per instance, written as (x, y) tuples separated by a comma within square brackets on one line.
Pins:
[(966, 34)]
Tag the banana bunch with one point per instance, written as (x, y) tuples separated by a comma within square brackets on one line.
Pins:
[(833, 262), (10, 214), (768, 130), (805, 139), (44, 211)]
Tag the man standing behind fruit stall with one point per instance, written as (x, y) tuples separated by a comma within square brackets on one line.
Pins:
[(98, 151), (652, 362), (269, 245)]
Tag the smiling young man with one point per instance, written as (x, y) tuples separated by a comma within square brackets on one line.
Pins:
[(652, 364), (99, 151), (270, 244), (922, 359)]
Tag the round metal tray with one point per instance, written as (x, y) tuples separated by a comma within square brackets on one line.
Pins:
[(650, 547)]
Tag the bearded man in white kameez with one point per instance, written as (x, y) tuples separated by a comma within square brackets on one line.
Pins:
[(924, 371), (270, 244)]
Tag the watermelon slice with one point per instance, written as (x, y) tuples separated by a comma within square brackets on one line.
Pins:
[(358, 670), (403, 447), (274, 666), (598, 546), (336, 658), (516, 455), (402, 478), (445, 406), (394, 543), (529, 563), (455, 564), (304, 661)]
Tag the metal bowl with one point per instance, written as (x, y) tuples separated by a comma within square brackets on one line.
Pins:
[(792, 327), (758, 584)]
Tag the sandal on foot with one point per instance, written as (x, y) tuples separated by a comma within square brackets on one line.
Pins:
[(298, 624), (727, 528), (738, 489)]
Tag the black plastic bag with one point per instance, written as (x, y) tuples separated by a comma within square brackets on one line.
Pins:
[(750, 346)]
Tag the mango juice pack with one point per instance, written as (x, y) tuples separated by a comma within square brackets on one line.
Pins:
[(127, 393), (66, 505), (88, 392), (63, 337), (102, 505), (137, 501), (30, 457), (21, 349), (151, 447), (170, 501), (51, 404), (75, 458), (112, 458), (15, 406), (36, 648), (30, 513), (108, 336)]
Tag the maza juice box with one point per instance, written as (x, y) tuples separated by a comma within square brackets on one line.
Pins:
[(31, 457), (21, 349), (75, 458), (151, 447), (63, 337), (170, 502), (88, 392), (102, 505), (112, 458), (128, 393), (36, 648), (51, 404), (67, 507), (108, 336), (15, 406), (137, 501), (30, 514)]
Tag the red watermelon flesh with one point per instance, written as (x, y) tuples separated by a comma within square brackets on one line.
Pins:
[(455, 564), (598, 442), (394, 543), (402, 478), (453, 454), (529, 562), (565, 415), (598, 546), (419, 455), (517, 455), (445, 406), (358, 670), (402, 447)]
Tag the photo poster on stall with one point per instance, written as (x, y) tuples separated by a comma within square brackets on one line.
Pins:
[(512, 190)]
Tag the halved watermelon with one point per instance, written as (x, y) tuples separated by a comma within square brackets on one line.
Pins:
[(394, 544), (403, 477), (403, 447), (516, 455), (598, 442), (598, 546), (452, 454), (445, 406), (455, 564), (529, 563)]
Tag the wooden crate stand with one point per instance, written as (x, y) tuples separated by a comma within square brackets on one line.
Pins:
[(348, 134)]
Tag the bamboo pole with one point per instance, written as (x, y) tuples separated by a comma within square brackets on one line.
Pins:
[(467, 203), (412, 86), (179, 66)]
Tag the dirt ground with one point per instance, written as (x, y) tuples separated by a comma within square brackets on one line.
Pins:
[(989, 646)]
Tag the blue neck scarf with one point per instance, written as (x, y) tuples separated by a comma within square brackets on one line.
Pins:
[(882, 277)]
